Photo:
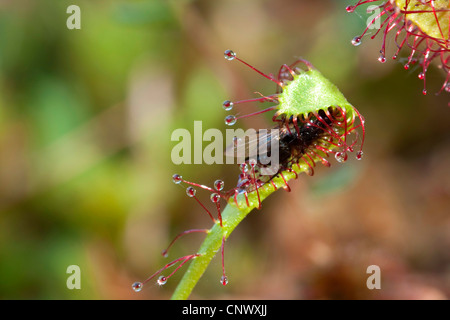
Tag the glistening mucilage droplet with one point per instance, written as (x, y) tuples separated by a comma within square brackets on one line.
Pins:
[(230, 120), (356, 41), (137, 286), (218, 185), (359, 155), (176, 178), (162, 280), (341, 156), (227, 105), (244, 167), (447, 87), (190, 191), (229, 55), (215, 197)]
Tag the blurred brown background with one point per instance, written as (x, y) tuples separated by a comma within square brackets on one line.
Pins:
[(86, 118)]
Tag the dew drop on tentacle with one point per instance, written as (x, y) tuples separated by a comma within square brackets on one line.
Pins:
[(190, 191), (224, 280), (341, 156), (218, 185), (447, 87), (176, 178), (356, 41), (244, 167), (350, 9), (382, 58), (230, 120), (215, 197), (137, 286), (162, 280), (229, 55), (227, 105), (421, 76), (359, 155)]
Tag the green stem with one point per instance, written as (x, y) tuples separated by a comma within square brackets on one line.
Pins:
[(231, 217), (308, 92)]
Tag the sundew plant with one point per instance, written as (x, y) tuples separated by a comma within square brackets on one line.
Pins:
[(313, 120), (312, 123), (420, 27), (245, 150)]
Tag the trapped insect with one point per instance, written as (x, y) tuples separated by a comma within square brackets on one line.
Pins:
[(312, 120)]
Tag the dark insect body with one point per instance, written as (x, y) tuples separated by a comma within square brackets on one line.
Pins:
[(301, 139)]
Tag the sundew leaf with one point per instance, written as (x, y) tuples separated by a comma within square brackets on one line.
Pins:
[(434, 22), (316, 121)]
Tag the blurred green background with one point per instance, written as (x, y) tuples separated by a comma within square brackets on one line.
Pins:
[(86, 118)]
